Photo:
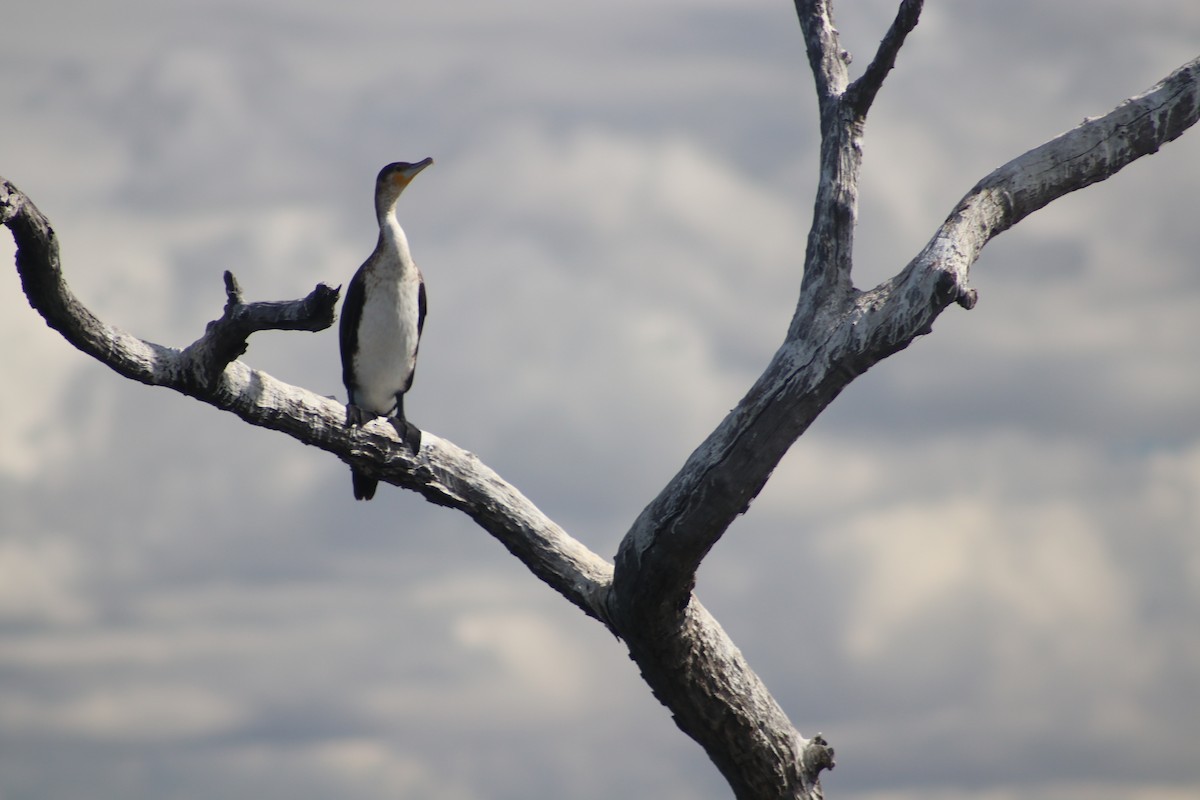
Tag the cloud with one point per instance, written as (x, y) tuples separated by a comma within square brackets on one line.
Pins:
[(39, 581), (984, 549), (140, 713)]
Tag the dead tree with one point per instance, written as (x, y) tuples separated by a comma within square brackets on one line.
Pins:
[(644, 596)]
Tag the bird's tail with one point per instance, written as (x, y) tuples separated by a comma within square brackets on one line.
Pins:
[(364, 487)]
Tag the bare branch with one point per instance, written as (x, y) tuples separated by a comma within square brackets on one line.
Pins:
[(442, 473), (828, 60), (1091, 152), (656, 563), (41, 278), (658, 558), (828, 258), (1094, 151), (861, 93), (226, 338)]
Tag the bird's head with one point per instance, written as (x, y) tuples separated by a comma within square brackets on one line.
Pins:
[(392, 180)]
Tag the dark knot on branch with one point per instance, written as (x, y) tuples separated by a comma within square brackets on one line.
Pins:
[(815, 755), (949, 290)]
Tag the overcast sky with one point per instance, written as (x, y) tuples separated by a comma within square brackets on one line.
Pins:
[(978, 574)]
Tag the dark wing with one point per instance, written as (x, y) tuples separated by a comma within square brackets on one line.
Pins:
[(421, 307), (421, 304), (352, 308)]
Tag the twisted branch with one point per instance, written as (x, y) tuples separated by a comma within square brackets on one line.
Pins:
[(443, 473)]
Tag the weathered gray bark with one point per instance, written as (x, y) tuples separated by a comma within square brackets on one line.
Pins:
[(837, 333)]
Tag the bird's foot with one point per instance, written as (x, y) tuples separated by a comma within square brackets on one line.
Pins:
[(409, 434), (355, 416)]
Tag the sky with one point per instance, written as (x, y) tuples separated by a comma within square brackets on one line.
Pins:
[(978, 574)]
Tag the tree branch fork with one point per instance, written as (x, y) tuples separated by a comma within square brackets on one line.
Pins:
[(227, 338), (443, 473), (645, 596)]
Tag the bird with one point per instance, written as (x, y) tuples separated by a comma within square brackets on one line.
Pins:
[(383, 316)]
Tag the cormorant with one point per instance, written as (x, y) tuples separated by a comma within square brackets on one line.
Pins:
[(382, 318)]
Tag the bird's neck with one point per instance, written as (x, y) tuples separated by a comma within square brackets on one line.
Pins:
[(392, 239)]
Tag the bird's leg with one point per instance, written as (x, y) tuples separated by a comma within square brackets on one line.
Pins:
[(355, 416), (409, 434)]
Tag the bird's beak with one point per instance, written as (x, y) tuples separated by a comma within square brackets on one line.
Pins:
[(417, 167), (403, 177)]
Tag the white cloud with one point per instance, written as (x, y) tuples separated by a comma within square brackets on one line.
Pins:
[(142, 713), (374, 766), (35, 435), (1041, 569), (39, 580), (998, 524), (537, 666)]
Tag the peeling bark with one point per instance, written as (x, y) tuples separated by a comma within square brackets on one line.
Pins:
[(837, 333)]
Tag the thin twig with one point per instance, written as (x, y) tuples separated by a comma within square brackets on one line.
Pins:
[(861, 93)]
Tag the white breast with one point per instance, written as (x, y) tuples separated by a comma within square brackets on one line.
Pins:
[(387, 338)]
